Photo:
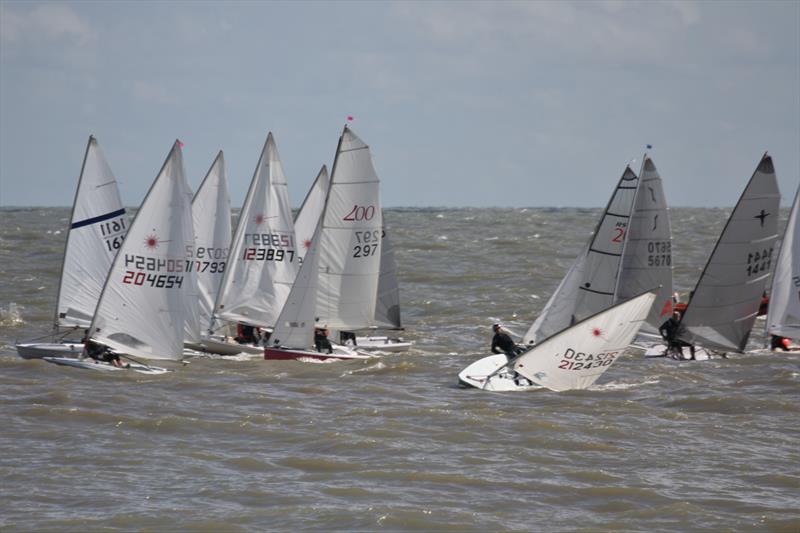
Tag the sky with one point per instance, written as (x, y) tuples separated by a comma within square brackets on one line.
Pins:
[(484, 104)]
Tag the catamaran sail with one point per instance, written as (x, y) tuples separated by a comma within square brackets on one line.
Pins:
[(308, 216), (338, 280), (783, 318), (647, 255), (263, 260), (96, 230), (211, 213), (725, 302), (591, 282), (142, 309)]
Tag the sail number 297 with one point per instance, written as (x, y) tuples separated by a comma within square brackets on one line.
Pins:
[(366, 243)]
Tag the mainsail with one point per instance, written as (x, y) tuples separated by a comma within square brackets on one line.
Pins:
[(97, 228), (308, 216), (724, 304), (211, 212), (577, 356), (783, 318), (387, 306), (647, 255), (591, 282), (142, 309), (350, 239), (263, 258)]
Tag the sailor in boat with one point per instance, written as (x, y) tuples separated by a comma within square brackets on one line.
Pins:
[(321, 340), (503, 343), (670, 330), (100, 352), (782, 343), (247, 334)]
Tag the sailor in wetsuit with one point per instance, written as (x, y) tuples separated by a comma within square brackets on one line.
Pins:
[(670, 330), (99, 352), (321, 341), (503, 343)]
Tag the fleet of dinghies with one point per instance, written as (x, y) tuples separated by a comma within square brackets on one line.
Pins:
[(175, 280)]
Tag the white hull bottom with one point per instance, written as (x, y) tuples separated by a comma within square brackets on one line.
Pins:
[(224, 346), (477, 375), (381, 344), (91, 364), (46, 349), (700, 353)]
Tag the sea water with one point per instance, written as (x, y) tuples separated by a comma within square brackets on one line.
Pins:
[(394, 443)]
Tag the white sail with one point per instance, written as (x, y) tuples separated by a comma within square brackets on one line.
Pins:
[(97, 228), (295, 325), (142, 310), (577, 356), (559, 309), (725, 302), (647, 256), (211, 213), (387, 306), (263, 259), (350, 239), (783, 318), (308, 216), (591, 282)]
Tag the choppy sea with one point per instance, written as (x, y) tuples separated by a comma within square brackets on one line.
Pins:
[(394, 444)]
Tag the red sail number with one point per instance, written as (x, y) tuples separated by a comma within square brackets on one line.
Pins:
[(360, 212)]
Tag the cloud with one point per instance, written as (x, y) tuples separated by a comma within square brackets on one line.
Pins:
[(51, 23), (153, 93)]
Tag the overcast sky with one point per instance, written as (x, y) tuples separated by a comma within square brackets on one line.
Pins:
[(463, 104)]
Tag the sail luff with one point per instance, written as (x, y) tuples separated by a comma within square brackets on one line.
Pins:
[(69, 228)]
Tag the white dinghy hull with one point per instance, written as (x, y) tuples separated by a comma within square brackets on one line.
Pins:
[(477, 374), (45, 349), (102, 366)]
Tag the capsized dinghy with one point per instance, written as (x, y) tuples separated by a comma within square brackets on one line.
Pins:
[(571, 359)]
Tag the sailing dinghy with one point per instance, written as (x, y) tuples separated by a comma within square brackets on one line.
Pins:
[(588, 287), (724, 304), (142, 308), (783, 317), (263, 260), (96, 230), (571, 359), (387, 306), (338, 281)]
